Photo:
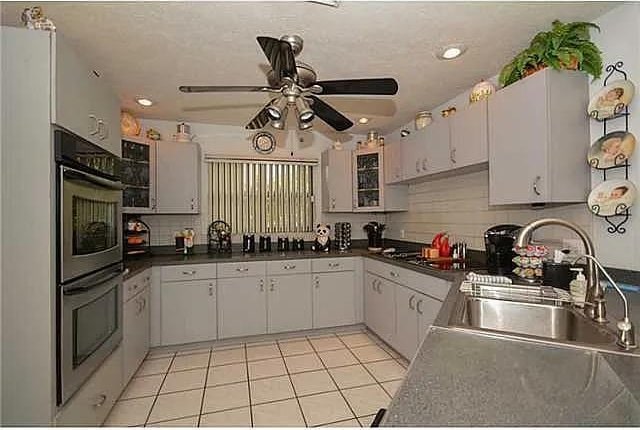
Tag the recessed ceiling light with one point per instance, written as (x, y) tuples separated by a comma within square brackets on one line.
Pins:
[(450, 52), (144, 102), (363, 120)]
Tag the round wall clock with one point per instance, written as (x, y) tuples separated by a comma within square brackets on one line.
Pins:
[(264, 142)]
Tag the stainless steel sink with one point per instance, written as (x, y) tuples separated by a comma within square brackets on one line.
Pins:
[(541, 320)]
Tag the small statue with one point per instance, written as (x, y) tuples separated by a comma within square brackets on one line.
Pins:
[(34, 19), (322, 242)]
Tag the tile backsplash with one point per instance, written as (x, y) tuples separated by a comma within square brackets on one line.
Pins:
[(460, 206)]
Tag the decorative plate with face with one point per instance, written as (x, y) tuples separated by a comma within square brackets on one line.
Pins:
[(264, 142)]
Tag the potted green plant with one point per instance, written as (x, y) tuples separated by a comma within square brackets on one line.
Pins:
[(567, 46)]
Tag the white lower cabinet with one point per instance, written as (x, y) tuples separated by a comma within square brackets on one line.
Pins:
[(91, 404), (334, 299), (415, 312), (188, 311), (242, 307), (379, 306), (289, 303), (135, 332)]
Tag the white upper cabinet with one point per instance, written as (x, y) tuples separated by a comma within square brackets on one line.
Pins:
[(83, 102), (337, 188), (470, 135), (370, 192), (393, 163), (438, 155), (177, 177), (538, 140)]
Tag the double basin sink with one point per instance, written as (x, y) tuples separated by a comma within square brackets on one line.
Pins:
[(538, 319)]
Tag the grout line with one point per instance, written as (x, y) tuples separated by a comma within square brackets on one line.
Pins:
[(293, 387), (377, 361), (155, 399), (246, 364), (172, 419), (334, 382), (204, 389)]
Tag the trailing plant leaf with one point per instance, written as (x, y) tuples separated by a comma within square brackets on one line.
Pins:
[(565, 46)]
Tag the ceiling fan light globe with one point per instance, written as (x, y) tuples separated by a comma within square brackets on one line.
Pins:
[(274, 113), (307, 116), (278, 124)]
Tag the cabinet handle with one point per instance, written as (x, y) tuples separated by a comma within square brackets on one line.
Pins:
[(101, 128), (333, 203), (453, 155), (261, 286), (101, 399), (242, 269), (334, 265), (418, 306), (317, 282), (211, 290), (411, 306), (535, 185), (189, 272), (153, 203), (144, 303), (394, 274), (271, 285), (289, 266), (418, 166), (424, 164), (93, 125)]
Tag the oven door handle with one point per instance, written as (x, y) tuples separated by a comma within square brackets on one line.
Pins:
[(70, 173), (93, 282)]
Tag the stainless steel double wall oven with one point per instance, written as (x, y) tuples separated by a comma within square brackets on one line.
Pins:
[(90, 269)]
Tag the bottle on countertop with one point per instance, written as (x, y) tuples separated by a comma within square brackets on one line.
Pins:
[(578, 287)]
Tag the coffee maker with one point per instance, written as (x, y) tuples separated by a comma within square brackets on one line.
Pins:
[(498, 242)]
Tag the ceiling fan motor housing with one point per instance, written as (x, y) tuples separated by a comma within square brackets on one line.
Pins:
[(306, 76)]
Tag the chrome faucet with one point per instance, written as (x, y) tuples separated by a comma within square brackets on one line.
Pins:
[(626, 334), (595, 294)]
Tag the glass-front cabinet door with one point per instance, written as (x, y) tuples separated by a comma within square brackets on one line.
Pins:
[(138, 176), (368, 180)]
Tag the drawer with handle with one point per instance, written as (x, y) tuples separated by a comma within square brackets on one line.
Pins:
[(188, 272), (91, 404), (285, 267), (135, 284), (340, 264), (239, 270)]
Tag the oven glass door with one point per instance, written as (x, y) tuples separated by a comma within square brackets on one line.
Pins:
[(93, 323), (90, 214), (90, 326)]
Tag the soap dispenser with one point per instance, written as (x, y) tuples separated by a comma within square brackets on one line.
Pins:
[(578, 287)]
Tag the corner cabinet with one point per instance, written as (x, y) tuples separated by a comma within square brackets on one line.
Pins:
[(370, 191), (160, 177), (538, 140)]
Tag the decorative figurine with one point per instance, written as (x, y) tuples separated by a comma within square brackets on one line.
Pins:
[(34, 19), (322, 242), (481, 91)]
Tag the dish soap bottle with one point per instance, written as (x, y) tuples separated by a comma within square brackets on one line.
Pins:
[(578, 287)]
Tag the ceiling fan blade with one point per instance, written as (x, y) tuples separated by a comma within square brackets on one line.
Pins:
[(329, 115), (280, 56), (260, 120), (373, 86), (223, 89)]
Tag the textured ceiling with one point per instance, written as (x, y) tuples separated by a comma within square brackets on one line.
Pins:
[(150, 48)]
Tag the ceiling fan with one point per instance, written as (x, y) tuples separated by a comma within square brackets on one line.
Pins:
[(297, 88)]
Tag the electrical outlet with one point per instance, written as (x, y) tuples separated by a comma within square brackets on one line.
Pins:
[(402, 235)]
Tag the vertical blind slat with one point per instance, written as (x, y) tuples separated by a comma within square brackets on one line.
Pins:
[(261, 197)]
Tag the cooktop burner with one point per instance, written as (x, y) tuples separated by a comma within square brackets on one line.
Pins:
[(415, 259)]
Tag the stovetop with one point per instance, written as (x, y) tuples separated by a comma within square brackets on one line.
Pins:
[(415, 259)]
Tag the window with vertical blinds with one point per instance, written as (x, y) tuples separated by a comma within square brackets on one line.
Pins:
[(262, 196)]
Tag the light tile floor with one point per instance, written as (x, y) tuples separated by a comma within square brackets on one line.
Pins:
[(337, 379)]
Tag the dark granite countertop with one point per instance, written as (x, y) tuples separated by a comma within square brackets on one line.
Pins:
[(465, 379), (166, 256)]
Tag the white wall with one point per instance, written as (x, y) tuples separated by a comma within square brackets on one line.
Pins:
[(620, 40), (233, 140), (460, 204)]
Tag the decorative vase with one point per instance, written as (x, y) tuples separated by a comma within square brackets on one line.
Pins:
[(481, 91)]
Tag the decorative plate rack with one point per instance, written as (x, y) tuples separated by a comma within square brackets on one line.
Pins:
[(616, 222)]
